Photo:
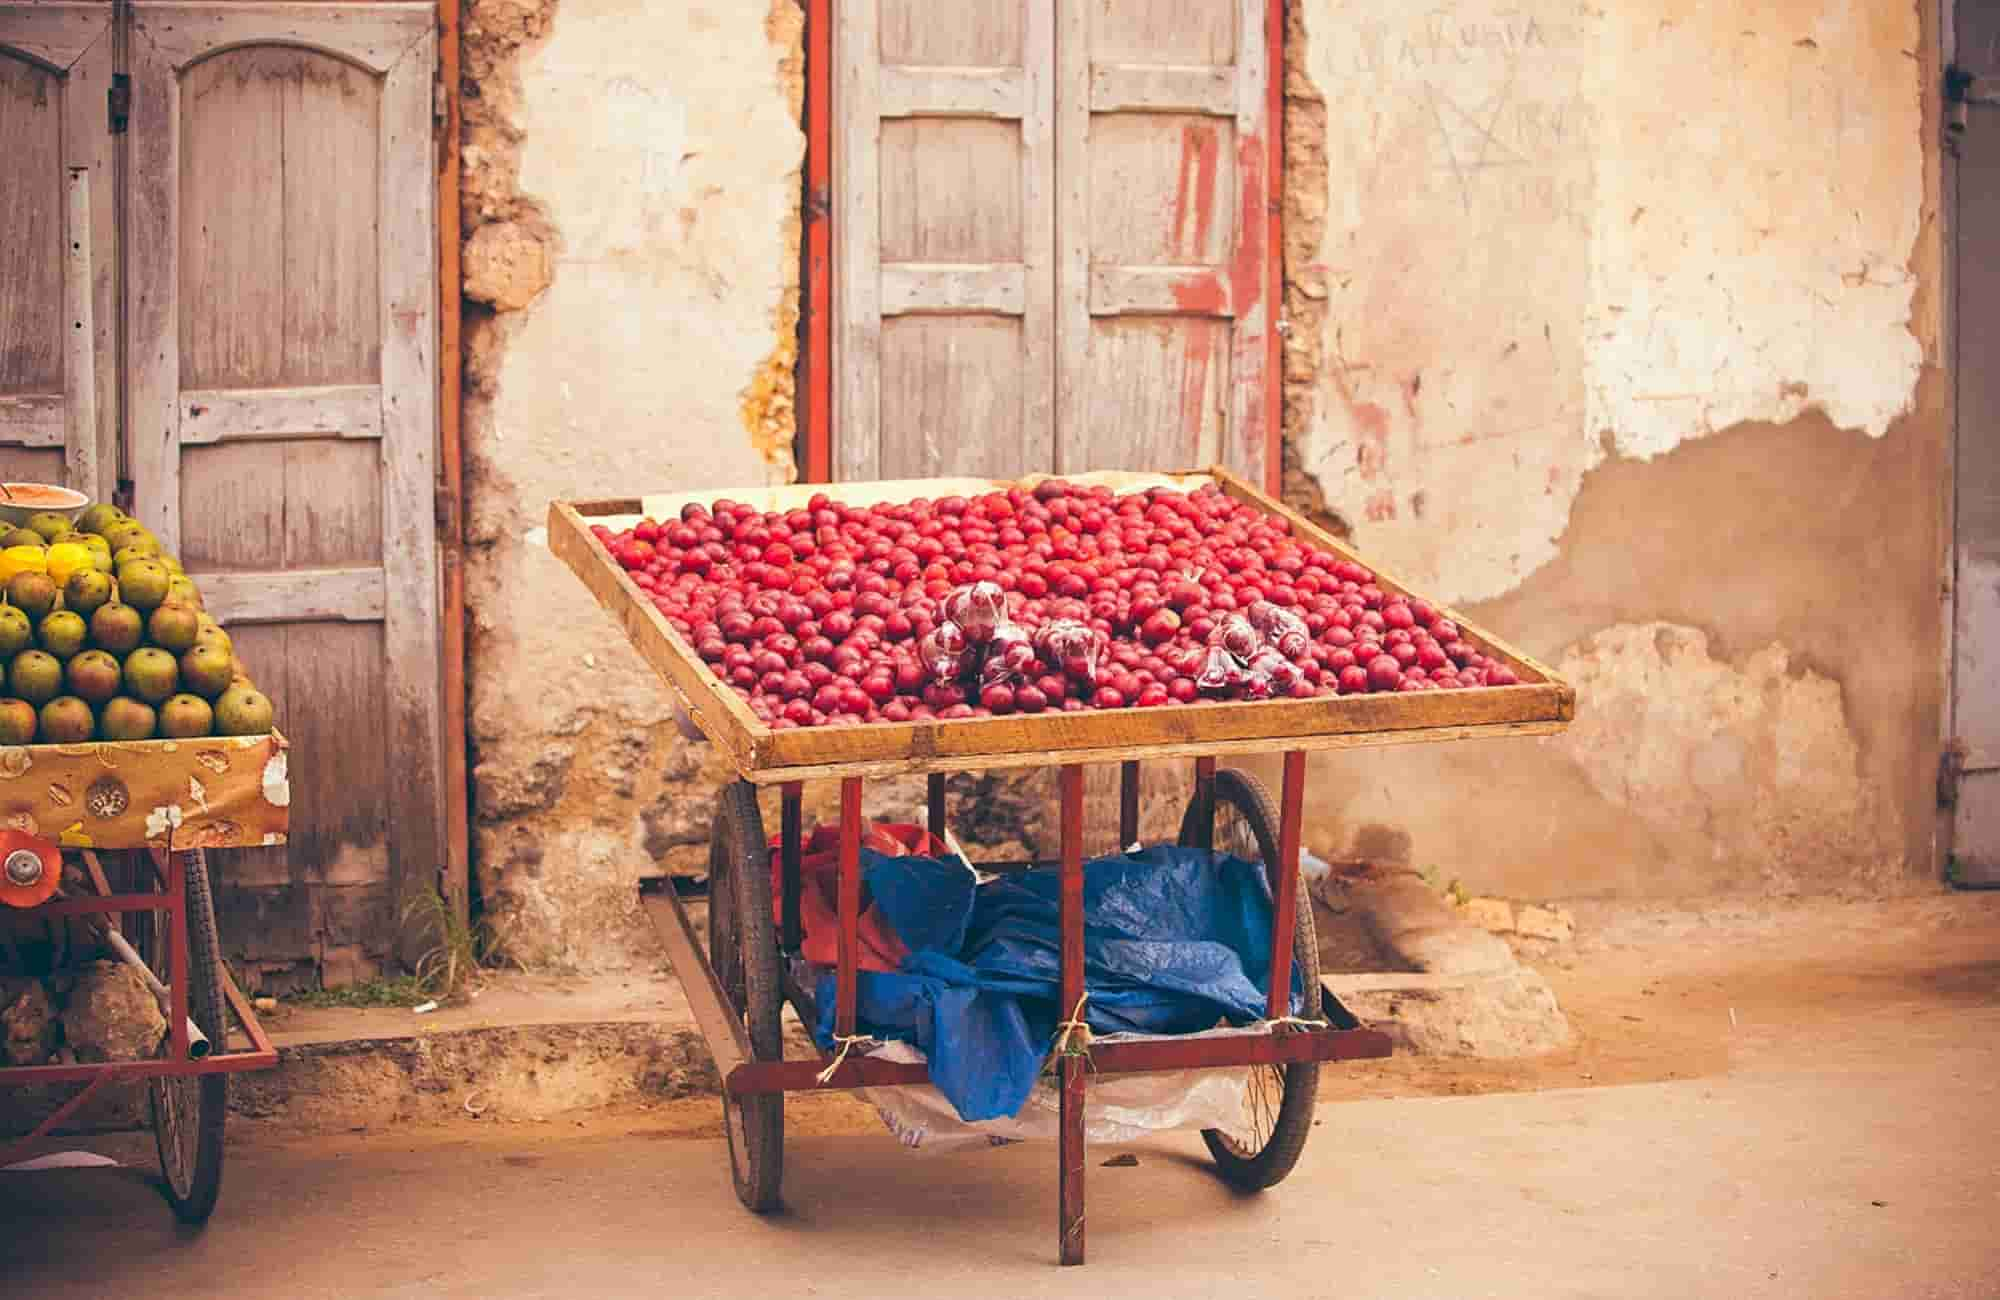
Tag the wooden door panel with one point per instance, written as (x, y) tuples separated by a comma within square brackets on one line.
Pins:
[(945, 238), (284, 413), (1163, 201), (58, 255)]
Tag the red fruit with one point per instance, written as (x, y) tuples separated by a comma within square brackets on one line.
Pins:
[(1353, 679), (1384, 673), (954, 712), (1107, 697), (1160, 626), (1183, 690), (799, 712), (910, 676), (879, 687), (854, 700), (1404, 653), (1501, 675), (1431, 656), (1398, 614), (1052, 686), (1125, 684), (895, 711), (817, 675), (736, 625), (1073, 705), (1028, 699), (997, 697), (1153, 696)]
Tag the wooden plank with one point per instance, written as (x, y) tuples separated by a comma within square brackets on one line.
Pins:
[(1160, 88), (1246, 446), (31, 217), (53, 35), (957, 382), (1038, 240), (331, 295), (375, 35), (728, 1041), (1071, 192), (910, 288), (152, 278), (87, 143), (409, 476), (963, 33), (32, 419), (218, 415), (296, 595), (1184, 32), (857, 414), (953, 92), (945, 195), (79, 338), (1159, 291)]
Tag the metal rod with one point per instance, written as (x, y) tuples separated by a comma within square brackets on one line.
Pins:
[(198, 1044), (1128, 804), (850, 906), (17, 1149), (934, 800), (791, 830), (1284, 875), (177, 966), (1072, 1066)]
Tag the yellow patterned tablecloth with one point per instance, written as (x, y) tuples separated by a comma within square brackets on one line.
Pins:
[(216, 792)]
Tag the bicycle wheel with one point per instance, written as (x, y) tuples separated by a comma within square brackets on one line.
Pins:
[(744, 951), (188, 1110)]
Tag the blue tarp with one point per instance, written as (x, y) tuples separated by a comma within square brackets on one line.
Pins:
[(1174, 940)]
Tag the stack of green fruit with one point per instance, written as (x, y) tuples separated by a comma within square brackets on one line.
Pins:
[(104, 638)]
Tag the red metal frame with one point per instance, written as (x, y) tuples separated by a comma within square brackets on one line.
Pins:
[(1274, 268), (743, 1075), (176, 1063)]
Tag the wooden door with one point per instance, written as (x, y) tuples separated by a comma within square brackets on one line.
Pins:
[(282, 331), (945, 225), (58, 255), (1976, 592), (1163, 198)]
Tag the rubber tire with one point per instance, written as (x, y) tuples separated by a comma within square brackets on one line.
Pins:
[(193, 1191), (1268, 1166), (743, 948)]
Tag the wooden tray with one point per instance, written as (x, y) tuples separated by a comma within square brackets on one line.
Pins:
[(1541, 704)]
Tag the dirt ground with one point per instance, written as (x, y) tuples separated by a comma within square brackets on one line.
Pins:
[(1800, 1100)]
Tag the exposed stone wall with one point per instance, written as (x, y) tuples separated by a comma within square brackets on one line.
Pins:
[(1627, 343)]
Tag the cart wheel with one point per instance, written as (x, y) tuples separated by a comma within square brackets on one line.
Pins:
[(1281, 1096), (188, 1110), (744, 952)]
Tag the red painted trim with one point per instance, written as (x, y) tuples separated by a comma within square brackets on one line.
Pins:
[(850, 905), (1274, 293), (819, 243), (1284, 874), (95, 904), (25, 1076)]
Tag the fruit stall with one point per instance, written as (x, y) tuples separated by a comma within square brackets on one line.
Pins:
[(929, 627), (132, 743)]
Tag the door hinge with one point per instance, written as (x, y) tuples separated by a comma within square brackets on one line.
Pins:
[(1951, 767), (118, 102), (445, 506), (440, 102)]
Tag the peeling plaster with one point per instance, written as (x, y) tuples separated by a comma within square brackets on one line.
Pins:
[(1557, 233)]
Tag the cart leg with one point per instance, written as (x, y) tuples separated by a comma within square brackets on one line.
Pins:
[(1072, 1067), (935, 791), (1128, 804), (1284, 874), (792, 936), (850, 906), (1204, 795)]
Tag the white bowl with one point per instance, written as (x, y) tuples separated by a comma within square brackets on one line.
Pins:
[(46, 498)]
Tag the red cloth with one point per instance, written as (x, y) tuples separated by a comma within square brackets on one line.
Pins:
[(819, 892)]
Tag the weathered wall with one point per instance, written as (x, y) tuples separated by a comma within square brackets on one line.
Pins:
[(632, 210), (1617, 334), (1616, 328)]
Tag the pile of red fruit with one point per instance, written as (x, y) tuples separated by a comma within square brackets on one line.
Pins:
[(1074, 598)]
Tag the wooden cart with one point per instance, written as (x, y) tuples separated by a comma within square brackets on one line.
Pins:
[(739, 986), (120, 833)]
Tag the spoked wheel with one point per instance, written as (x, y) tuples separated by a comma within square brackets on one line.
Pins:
[(744, 951), (188, 1110), (1280, 1096)]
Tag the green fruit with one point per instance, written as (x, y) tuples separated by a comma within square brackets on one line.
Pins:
[(183, 590), (63, 633), (207, 670), (96, 518), (94, 544), (131, 532), (151, 675), (34, 594), (142, 584), (67, 721), (35, 677), (22, 537), (48, 524), (174, 627), (16, 632), (86, 591), (17, 722), (242, 710), (185, 717), (94, 675), (173, 566), (117, 627), (127, 719)]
